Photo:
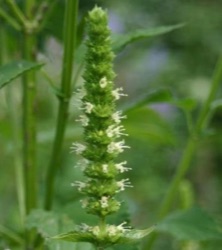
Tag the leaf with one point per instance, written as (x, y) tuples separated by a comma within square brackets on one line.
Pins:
[(146, 124), (130, 236), (158, 96), (75, 236), (13, 70), (47, 224), (162, 96), (135, 235), (121, 41), (192, 224)]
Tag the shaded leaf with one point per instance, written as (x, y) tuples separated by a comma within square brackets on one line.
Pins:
[(121, 41), (161, 96), (192, 224), (146, 124), (13, 70)]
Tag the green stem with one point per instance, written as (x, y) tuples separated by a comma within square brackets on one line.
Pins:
[(10, 20), (189, 151), (17, 12), (70, 25)]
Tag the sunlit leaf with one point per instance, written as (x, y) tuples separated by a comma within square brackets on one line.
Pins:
[(121, 41), (192, 224), (13, 70)]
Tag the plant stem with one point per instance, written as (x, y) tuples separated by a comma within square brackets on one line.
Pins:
[(189, 151), (17, 12), (10, 20), (70, 25)]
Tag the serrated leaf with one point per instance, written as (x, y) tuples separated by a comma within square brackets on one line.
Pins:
[(192, 224), (13, 70), (48, 223), (121, 41)]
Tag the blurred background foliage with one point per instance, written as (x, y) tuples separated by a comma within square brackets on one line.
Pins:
[(180, 62)]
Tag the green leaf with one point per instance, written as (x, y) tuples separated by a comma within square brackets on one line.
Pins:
[(135, 235), (121, 41), (47, 224), (75, 236), (192, 224), (13, 70), (146, 124), (161, 96), (158, 96)]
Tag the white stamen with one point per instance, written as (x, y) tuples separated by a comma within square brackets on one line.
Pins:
[(116, 147), (104, 202), (123, 184), (78, 148), (117, 93), (79, 184), (82, 164), (103, 82), (117, 116), (88, 107), (121, 168), (113, 131), (84, 120)]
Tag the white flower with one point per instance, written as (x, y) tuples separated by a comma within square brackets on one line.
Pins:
[(121, 168), (88, 107), (82, 164), (84, 120), (103, 82), (113, 131), (79, 184), (96, 230), (78, 148), (117, 93), (104, 202), (123, 184), (84, 227), (117, 116), (105, 168), (116, 147), (113, 230)]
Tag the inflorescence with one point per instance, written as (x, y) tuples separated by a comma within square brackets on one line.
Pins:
[(102, 130)]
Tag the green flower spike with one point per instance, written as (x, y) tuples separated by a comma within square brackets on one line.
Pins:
[(102, 142)]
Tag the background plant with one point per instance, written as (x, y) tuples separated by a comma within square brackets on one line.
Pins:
[(183, 63)]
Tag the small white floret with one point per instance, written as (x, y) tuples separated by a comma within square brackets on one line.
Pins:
[(88, 107), (105, 168), (79, 184), (113, 131), (104, 202), (78, 148), (117, 116), (117, 93), (123, 184), (121, 168), (116, 147), (103, 82), (84, 120)]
